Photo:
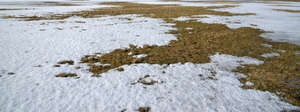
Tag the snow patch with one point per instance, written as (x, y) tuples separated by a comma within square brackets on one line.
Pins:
[(269, 55), (140, 56)]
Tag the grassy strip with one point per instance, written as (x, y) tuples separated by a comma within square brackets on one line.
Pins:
[(287, 10)]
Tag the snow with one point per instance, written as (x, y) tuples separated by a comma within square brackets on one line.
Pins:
[(268, 55), (249, 83), (267, 45), (140, 56), (182, 18)]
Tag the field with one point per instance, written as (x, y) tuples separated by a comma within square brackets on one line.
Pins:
[(149, 56)]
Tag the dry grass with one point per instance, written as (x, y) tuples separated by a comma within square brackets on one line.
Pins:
[(287, 10), (207, 1), (285, 5), (120, 69), (70, 62), (66, 75), (144, 109), (4, 9), (58, 4)]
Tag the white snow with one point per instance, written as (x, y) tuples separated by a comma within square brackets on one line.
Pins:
[(249, 83), (267, 45), (182, 18), (268, 55), (140, 56)]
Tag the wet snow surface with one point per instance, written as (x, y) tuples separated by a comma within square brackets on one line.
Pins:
[(30, 49)]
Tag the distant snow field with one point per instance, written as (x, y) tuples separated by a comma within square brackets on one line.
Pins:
[(29, 49)]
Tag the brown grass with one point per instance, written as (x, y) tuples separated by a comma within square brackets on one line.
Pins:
[(285, 5), (4, 9), (66, 75), (120, 69), (58, 4), (144, 109), (287, 10), (70, 62)]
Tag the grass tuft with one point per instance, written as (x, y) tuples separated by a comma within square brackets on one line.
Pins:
[(70, 62), (66, 75)]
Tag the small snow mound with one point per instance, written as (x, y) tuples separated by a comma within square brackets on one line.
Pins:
[(249, 83), (230, 62), (140, 56), (182, 18), (269, 55)]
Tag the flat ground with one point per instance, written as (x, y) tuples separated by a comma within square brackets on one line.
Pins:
[(149, 56)]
